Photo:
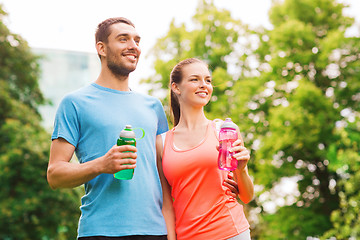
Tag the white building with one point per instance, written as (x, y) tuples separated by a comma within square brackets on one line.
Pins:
[(63, 72)]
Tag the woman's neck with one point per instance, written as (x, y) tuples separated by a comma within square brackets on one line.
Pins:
[(192, 119)]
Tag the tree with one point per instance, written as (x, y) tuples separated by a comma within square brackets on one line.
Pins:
[(345, 158), (29, 208), (309, 74)]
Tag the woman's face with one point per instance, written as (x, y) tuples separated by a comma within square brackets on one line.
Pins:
[(195, 88)]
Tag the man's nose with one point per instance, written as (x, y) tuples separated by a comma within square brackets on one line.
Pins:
[(133, 44)]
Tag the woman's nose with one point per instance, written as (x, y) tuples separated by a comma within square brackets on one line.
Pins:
[(202, 83)]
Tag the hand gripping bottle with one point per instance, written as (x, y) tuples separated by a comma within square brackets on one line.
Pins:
[(127, 137), (227, 136)]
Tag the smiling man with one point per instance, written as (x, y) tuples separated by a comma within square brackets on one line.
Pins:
[(88, 123)]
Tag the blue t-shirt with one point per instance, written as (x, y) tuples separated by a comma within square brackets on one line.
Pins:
[(91, 119)]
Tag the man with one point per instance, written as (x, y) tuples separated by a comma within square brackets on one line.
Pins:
[(88, 122)]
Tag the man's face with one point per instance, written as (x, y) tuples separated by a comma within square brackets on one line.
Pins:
[(122, 49)]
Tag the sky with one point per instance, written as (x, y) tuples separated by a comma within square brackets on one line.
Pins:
[(71, 24)]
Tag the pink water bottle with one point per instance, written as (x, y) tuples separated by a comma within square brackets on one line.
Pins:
[(227, 136)]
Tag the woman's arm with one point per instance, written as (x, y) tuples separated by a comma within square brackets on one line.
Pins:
[(241, 174), (245, 185), (167, 209)]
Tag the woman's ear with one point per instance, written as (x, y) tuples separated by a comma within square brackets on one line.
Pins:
[(175, 88), (100, 48)]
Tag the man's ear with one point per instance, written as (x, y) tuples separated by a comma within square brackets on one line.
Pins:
[(100, 48), (175, 88)]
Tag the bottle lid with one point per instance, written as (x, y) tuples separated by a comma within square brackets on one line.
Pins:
[(127, 132), (228, 124)]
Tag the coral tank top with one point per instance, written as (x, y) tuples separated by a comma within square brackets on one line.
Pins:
[(203, 210)]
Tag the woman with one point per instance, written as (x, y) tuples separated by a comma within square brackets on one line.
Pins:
[(203, 209)]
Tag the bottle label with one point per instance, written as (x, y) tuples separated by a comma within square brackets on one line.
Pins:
[(226, 161)]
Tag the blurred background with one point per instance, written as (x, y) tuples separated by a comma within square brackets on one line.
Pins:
[(287, 72)]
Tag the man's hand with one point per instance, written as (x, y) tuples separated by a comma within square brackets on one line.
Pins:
[(119, 158)]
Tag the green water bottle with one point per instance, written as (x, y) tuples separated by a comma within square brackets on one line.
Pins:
[(127, 137)]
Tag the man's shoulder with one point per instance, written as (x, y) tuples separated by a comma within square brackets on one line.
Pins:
[(143, 95), (148, 98), (76, 96), (78, 93)]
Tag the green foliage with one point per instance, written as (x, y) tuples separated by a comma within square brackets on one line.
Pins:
[(323, 14), (300, 223), (19, 68), (29, 209), (297, 129), (345, 160), (310, 58)]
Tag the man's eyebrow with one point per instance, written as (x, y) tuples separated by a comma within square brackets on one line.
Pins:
[(126, 35), (122, 35)]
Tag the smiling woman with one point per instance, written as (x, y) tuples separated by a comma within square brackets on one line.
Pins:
[(203, 207)]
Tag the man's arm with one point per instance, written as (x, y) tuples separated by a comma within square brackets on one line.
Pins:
[(61, 173)]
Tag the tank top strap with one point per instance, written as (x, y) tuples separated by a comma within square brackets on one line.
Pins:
[(168, 136), (165, 140), (216, 123)]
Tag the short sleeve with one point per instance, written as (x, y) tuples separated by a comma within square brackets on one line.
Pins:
[(162, 121), (66, 124)]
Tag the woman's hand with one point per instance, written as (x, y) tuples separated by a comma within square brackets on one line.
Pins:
[(240, 153), (232, 185)]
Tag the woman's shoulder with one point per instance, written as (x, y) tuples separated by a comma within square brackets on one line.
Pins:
[(163, 136)]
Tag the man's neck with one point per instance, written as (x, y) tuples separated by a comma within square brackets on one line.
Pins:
[(120, 83)]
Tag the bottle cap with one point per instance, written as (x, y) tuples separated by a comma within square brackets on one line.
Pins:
[(127, 132), (228, 124)]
